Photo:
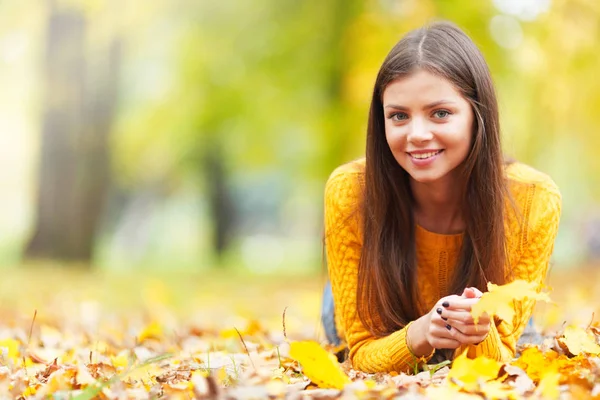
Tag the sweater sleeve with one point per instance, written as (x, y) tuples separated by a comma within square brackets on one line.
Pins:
[(343, 245), (537, 243)]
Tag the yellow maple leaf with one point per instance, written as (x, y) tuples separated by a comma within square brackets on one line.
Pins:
[(498, 300), (144, 373), (578, 341), (498, 390), (61, 379), (152, 331), (121, 360), (229, 333), (448, 392), (252, 328), (318, 365), (83, 376), (536, 363), (470, 373), (548, 387), (9, 348), (29, 391)]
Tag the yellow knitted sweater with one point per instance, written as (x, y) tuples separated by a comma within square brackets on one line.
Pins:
[(530, 240)]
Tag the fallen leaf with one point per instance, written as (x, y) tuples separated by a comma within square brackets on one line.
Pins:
[(449, 392), (470, 373), (518, 379), (548, 387), (497, 390), (536, 363), (152, 331), (578, 341), (10, 349), (318, 365)]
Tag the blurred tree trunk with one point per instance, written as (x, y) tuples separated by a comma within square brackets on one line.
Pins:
[(338, 124), (74, 165), (221, 203)]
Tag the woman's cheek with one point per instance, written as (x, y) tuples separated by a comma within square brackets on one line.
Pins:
[(395, 138)]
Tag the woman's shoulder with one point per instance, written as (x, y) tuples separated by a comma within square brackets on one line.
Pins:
[(524, 179), (345, 182), (349, 170), (536, 197)]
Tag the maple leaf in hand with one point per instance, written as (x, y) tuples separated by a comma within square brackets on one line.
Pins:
[(499, 300)]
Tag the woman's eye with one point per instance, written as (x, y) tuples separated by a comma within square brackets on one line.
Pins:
[(441, 114), (399, 116)]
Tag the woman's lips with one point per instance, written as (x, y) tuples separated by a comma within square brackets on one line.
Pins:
[(422, 159)]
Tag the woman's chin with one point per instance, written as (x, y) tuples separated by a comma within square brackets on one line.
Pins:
[(425, 178)]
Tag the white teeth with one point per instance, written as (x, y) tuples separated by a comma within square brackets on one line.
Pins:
[(425, 155)]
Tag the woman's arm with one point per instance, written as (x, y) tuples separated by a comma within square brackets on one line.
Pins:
[(343, 244)]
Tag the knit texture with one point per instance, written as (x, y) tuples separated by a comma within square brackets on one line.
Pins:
[(530, 234)]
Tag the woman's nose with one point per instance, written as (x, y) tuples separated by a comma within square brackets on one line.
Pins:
[(419, 131)]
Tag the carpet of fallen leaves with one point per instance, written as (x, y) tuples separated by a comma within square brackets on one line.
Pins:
[(71, 334)]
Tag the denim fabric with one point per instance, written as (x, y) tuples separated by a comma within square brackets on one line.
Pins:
[(328, 316)]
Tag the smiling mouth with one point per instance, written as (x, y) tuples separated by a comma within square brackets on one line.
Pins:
[(424, 156)]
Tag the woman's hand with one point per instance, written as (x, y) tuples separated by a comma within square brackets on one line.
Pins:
[(449, 324), (431, 331), (458, 316)]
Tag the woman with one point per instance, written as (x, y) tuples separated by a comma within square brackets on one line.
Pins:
[(416, 229)]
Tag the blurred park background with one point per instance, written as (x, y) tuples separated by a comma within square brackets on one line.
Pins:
[(196, 136)]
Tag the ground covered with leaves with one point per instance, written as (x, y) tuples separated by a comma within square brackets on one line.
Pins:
[(77, 335)]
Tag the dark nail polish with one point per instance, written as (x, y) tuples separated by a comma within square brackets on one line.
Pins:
[(446, 304), (445, 319), (439, 311), (448, 327)]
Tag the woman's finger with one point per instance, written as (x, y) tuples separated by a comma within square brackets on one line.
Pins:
[(443, 343), (463, 316), (466, 339), (441, 338), (470, 330), (466, 320), (461, 303)]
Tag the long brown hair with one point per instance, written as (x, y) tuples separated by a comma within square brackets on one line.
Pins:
[(386, 297)]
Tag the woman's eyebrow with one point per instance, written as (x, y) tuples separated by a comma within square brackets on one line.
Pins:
[(396, 107), (438, 103), (427, 106)]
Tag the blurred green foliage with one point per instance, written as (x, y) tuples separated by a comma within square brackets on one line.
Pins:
[(277, 92)]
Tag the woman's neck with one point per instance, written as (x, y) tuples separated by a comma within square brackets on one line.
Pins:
[(438, 206)]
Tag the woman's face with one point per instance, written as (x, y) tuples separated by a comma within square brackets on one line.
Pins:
[(428, 125)]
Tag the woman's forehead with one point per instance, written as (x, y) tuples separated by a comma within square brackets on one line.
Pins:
[(420, 87)]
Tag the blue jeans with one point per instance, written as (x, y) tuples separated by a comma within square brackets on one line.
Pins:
[(328, 320), (328, 316)]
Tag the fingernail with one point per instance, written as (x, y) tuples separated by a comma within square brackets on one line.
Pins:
[(439, 311), (448, 327), (446, 304), (445, 319)]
